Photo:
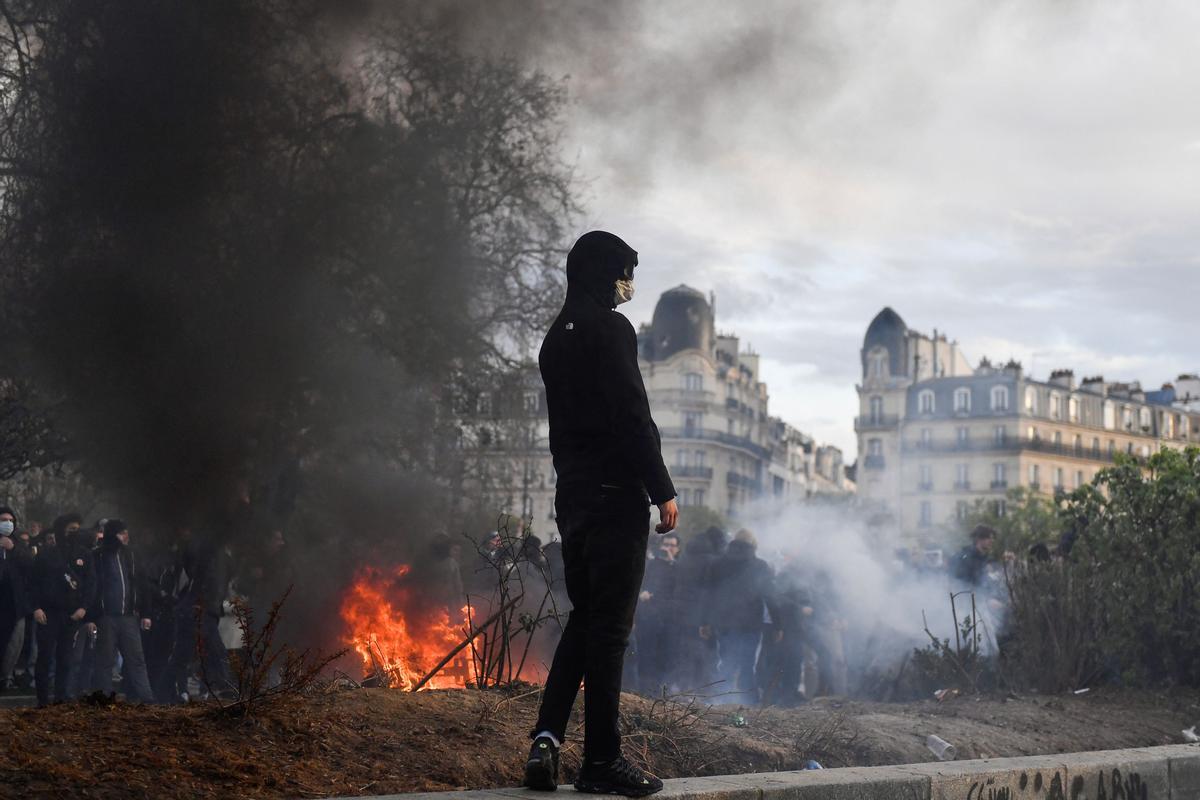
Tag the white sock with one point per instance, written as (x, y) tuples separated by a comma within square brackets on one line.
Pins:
[(549, 736)]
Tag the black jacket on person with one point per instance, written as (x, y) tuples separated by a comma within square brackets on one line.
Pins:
[(969, 565), (121, 589), (660, 581), (16, 571), (64, 577), (601, 432), (740, 584)]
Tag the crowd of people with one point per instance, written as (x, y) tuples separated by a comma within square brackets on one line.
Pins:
[(85, 608)]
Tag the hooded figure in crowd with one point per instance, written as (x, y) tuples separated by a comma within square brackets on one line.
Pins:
[(123, 611), (739, 587), (63, 589), (607, 455)]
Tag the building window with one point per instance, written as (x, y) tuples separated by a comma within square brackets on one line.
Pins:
[(925, 480), (1144, 419), (693, 423), (925, 401), (1112, 448), (877, 364), (1000, 435), (874, 447), (693, 381), (926, 438), (1035, 475), (531, 402), (1058, 477), (685, 497), (1127, 418), (999, 398), (962, 437), (1073, 409), (1031, 405), (1055, 406), (876, 410), (926, 514), (1078, 478), (962, 479), (1095, 447), (1058, 440), (699, 459), (1000, 507), (1078, 445), (961, 510), (681, 458), (962, 400), (1034, 436), (999, 476), (1110, 415), (698, 497)]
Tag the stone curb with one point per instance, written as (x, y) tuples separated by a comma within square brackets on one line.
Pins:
[(1147, 773)]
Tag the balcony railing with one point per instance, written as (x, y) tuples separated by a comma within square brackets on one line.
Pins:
[(712, 435), (926, 486), (962, 486), (1007, 446), (875, 422), (744, 481), (687, 396), (873, 462), (691, 471), (999, 484)]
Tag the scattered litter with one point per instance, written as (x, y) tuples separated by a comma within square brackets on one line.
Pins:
[(739, 721), (1189, 734), (812, 765), (945, 694), (941, 748), (1082, 691)]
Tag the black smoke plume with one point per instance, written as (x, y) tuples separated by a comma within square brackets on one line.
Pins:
[(258, 244)]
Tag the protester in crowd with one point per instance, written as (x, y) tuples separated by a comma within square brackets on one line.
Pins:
[(16, 566), (64, 588), (123, 612), (971, 563), (825, 671), (697, 661), (791, 620), (657, 622), (736, 613)]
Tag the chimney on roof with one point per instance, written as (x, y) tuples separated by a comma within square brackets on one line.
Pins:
[(1064, 378)]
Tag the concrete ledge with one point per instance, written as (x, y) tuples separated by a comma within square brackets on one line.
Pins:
[(1147, 773)]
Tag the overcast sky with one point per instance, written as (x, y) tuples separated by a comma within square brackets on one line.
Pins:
[(1024, 176)]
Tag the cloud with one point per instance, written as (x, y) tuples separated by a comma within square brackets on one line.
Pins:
[(1020, 175)]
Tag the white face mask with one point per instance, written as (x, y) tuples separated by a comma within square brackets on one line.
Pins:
[(624, 292), (6, 528)]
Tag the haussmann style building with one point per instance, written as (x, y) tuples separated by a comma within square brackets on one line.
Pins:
[(936, 435)]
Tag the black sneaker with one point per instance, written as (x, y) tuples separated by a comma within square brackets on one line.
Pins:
[(618, 776), (541, 770)]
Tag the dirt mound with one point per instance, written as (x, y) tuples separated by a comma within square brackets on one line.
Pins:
[(377, 741)]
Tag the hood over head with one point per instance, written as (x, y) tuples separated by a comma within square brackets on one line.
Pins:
[(596, 262)]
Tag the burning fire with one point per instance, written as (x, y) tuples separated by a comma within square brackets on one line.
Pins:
[(399, 638)]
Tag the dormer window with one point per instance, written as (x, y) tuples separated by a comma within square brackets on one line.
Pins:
[(1031, 404), (925, 401), (962, 400), (1055, 406), (999, 398)]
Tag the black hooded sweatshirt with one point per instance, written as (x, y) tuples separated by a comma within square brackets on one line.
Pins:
[(601, 432)]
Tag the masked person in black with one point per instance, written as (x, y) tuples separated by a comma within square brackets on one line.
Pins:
[(607, 455), (64, 587)]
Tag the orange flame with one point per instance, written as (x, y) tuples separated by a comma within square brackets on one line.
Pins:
[(398, 637)]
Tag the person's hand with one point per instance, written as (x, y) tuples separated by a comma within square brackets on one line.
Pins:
[(705, 632), (145, 624), (90, 627), (79, 614), (644, 596), (668, 515), (6, 542), (39, 616)]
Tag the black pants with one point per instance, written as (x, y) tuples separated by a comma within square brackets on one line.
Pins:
[(604, 555), (55, 640)]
